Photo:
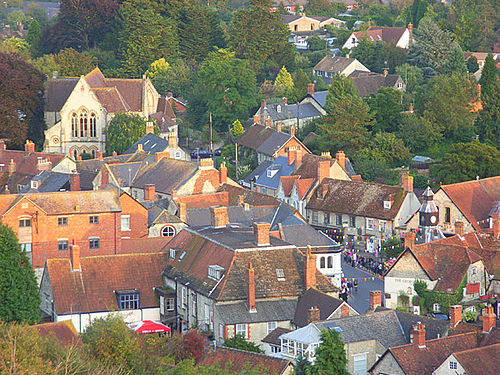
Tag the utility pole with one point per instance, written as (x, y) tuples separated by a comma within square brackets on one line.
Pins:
[(236, 152), (211, 145)]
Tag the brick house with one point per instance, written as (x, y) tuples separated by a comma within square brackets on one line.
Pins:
[(231, 279), (97, 221), (82, 289)]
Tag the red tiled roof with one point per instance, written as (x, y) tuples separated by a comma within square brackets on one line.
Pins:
[(423, 361), (111, 99), (204, 200), (238, 360), (480, 361), (303, 185), (251, 197), (27, 163), (287, 183), (93, 288), (474, 198), (64, 332), (130, 90), (386, 34), (144, 245)]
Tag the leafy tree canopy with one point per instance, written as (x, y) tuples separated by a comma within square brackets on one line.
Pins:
[(330, 355), (240, 342), (387, 107), (237, 129), (284, 83), (123, 131)]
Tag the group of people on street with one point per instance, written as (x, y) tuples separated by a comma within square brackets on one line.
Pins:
[(356, 260), (346, 288)]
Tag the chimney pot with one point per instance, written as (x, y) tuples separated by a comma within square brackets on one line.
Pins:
[(29, 147), (407, 182), (489, 319), (326, 154), (74, 181), (256, 119), (310, 88), (219, 217), (75, 257), (323, 170), (223, 174), (340, 156), (150, 127), (12, 167), (455, 315), (292, 131), (375, 299), (409, 240), (313, 314), (310, 269), (459, 228), (182, 211), (418, 333), (251, 288), (149, 192), (261, 231), (207, 163)]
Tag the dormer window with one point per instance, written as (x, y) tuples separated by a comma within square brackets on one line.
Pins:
[(280, 274), (128, 299), (34, 184), (387, 205), (215, 272), (173, 252), (278, 108)]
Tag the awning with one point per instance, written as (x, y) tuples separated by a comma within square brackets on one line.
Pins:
[(148, 326)]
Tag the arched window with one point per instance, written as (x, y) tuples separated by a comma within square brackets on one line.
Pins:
[(168, 231), (74, 125), (93, 125), (84, 124), (322, 262), (330, 262), (75, 154), (93, 154)]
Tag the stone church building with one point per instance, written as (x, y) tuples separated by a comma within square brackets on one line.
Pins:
[(78, 110)]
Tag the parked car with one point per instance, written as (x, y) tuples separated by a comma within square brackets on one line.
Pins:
[(218, 152), (200, 154)]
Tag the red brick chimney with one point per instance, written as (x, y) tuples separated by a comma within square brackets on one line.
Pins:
[(323, 170), (298, 157), (489, 319), (160, 155), (251, 289), (261, 231), (495, 218), (313, 314), (182, 212), (150, 127), (218, 216), (75, 257), (74, 181), (326, 154), (268, 122), (310, 88), (43, 164), (417, 335), (278, 127), (459, 228), (12, 167), (223, 174), (292, 131), (104, 177), (291, 156), (29, 147), (310, 269), (344, 310), (375, 299), (149, 192), (256, 119), (409, 240), (340, 156), (172, 140), (455, 315), (407, 182)]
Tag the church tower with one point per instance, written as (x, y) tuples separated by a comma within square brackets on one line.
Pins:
[(429, 218)]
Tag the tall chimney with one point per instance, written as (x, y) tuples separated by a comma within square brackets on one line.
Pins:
[(340, 156), (268, 122), (150, 127), (375, 299), (292, 131), (298, 157), (261, 232), (12, 167), (104, 177), (223, 174), (410, 29), (29, 147), (74, 181), (489, 319), (149, 192), (172, 140), (455, 315), (310, 269), (323, 170), (409, 240), (291, 156), (417, 335), (313, 314), (182, 211), (407, 182), (75, 257), (310, 88), (278, 127), (459, 228), (251, 289), (218, 216), (256, 119)]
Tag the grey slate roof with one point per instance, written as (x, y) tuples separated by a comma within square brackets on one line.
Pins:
[(57, 92), (320, 97), (151, 143), (125, 173), (280, 167), (261, 168), (368, 84), (49, 181), (302, 235), (313, 297), (273, 337), (273, 143), (267, 311), (281, 111), (334, 64)]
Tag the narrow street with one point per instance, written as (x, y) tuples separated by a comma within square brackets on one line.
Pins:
[(360, 300)]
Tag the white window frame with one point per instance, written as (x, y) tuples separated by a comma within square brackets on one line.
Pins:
[(436, 308), (241, 329), (271, 326), (169, 304), (370, 223), (453, 365), (125, 223), (382, 225), (360, 357), (170, 229), (184, 296)]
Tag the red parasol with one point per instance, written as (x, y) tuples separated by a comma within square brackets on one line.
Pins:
[(149, 326)]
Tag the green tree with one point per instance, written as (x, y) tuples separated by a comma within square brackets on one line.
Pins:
[(489, 117), (489, 74), (123, 131), (418, 133), (15, 18), (455, 62), (240, 342), (157, 67), (226, 87), (412, 76), (346, 125), (302, 366), (300, 82), (176, 79), (418, 9), (330, 355), (387, 107), (472, 65), (72, 63), (430, 48), (284, 83), (466, 161), (34, 38), (19, 298), (237, 129), (315, 43), (265, 45), (145, 36), (391, 149), (16, 46)]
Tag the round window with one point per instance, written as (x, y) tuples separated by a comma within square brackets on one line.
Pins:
[(168, 231)]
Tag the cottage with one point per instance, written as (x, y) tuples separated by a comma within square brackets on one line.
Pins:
[(400, 36), (331, 65)]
